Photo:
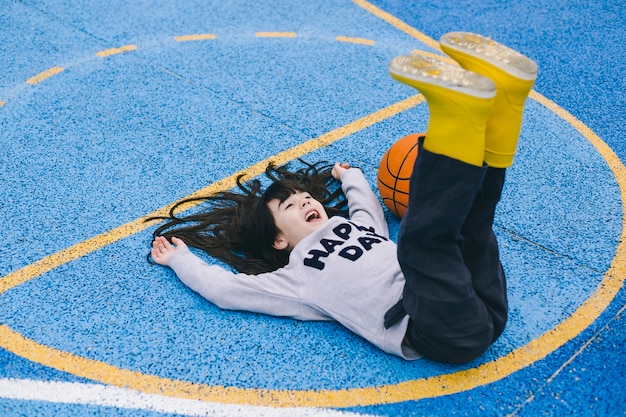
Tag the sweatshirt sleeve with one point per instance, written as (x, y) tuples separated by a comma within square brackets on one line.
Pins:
[(363, 204), (275, 293)]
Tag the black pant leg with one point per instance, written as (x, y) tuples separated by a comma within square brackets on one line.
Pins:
[(480, 250), (449, 321)]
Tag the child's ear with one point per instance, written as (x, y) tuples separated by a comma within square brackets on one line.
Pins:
[(280, 243)]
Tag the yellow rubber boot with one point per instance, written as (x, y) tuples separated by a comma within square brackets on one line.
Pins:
[(459, 102), (513, 74)]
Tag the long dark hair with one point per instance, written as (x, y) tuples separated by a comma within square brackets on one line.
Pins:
[(238, 227)]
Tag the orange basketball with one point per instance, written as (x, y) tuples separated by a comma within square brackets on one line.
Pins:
[(394, 173)]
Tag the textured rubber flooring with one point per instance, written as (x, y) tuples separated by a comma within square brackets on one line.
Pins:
[(111, 111)]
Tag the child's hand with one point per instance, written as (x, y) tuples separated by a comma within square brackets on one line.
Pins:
[(162, 249), (338, 170)]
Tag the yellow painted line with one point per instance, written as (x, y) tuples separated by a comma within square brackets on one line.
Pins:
[(618, 267), (589, 311), (276, 34), (435, 386), (44, 75), (537, 349), (71, 253), (446, 384), (198, 37), (404, 391), (97, 242), (397, 23), (115, 51), (359, 41)]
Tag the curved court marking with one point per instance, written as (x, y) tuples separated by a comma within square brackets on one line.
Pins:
[(197, 37), (107, 396), (359, 41), (429, 387), (36, 79), (44, 75), (398, 24), (403, 391), (115, 51)]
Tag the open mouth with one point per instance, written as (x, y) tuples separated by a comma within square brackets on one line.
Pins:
[(312, 215)]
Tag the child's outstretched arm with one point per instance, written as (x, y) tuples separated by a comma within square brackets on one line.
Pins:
[(162, 249), (275, 293)]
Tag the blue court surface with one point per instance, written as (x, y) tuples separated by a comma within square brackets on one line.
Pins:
[(112, 111)]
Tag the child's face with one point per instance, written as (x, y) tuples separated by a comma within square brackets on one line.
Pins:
[(296, 218)]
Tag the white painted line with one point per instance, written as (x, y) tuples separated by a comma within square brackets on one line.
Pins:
[(108, 396)]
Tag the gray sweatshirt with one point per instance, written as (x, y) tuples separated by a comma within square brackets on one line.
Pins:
[(346, 271)]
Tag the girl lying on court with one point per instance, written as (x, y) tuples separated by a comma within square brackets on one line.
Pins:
[(441, 291)]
